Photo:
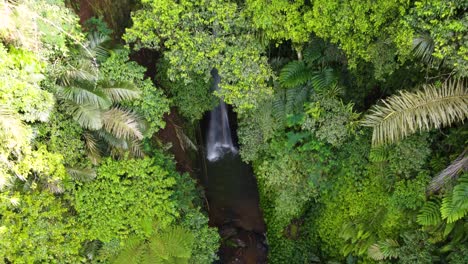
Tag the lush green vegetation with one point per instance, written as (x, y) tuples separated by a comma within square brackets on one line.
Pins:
[(350, 112), (80, 178)]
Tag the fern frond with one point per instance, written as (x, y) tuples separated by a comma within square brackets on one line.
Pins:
[(122, 124), (294, 74), (175, 242), (403, 114), (458, 165), (323, 79), (452, 211), (132, 251), (278, 109), (455, 205), (460, 191), (313, 52), (295, 98), (429, 215), (378, 154)]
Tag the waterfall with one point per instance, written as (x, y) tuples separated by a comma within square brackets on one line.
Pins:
[(219, 139)]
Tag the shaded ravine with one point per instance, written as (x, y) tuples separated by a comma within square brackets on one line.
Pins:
[(231, 191)]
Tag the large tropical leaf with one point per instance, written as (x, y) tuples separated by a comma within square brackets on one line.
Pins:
[(119, 91), (406, 113), (122, 123)]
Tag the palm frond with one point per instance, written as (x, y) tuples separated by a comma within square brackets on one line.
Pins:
[(77, 71), (113, 141), (294, 74), (91, 143), (54, 186), (11, 125), (406, 113), (97, 46), (88, 116), (458, 165), (119, 91), (136, 148), (122, 123), (82, 174), (423, 47), (84, 95), (184, 140)]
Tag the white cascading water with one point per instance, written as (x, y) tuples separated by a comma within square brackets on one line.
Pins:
[(219, 140)]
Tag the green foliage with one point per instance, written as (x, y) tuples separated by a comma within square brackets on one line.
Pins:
[(279, 19), (97, 24), (62, 135), (198, 36), (364, 30), (39, 229), (44, 26), (445, 24), (152, 103), (206, 239), (125, 196), (330, 119), (21, 73), (192, 100)]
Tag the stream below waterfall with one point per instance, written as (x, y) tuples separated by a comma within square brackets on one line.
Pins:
[(231, 190)]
